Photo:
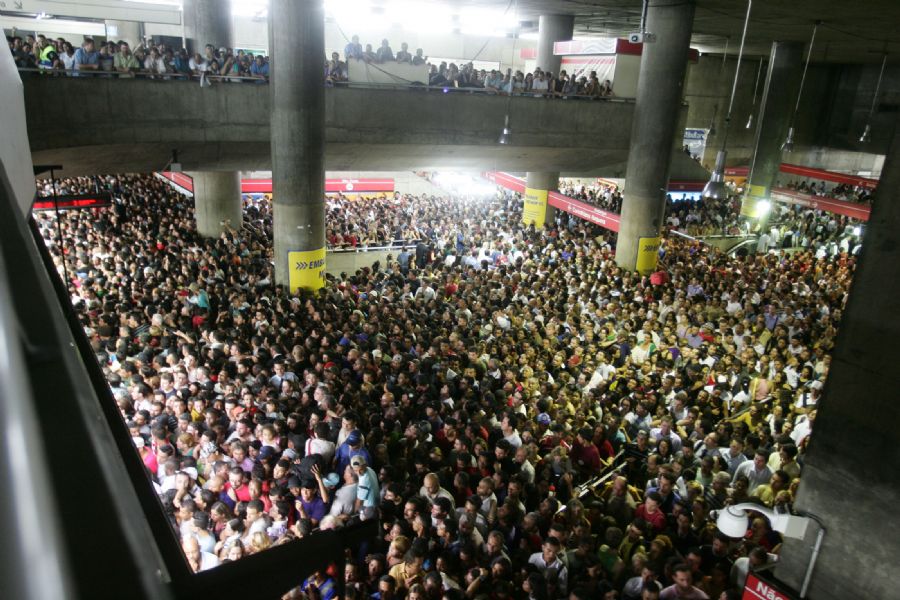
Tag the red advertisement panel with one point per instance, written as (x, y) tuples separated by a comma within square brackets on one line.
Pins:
[(79, 201), (590, 213), (840, 207), (264, 186), (811, 173), (757, 589), (580, 209), (801, 171), (506, 180)]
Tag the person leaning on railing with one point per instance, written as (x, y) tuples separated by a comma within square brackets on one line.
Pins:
[(259, 69), (155, 64), (125, 62), (86, 58)]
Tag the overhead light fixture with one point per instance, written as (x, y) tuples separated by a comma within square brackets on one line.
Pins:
[(755, 89), (504, 136), (734, 522), (788, 145), (715, 187), (866, 136)]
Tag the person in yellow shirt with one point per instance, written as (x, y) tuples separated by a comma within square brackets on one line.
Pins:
[(409, 572), (766, 493)]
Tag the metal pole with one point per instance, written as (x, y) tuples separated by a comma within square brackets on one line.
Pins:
[(737, 74), (812, 561)]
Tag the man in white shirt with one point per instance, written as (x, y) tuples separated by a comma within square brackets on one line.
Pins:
[(199, 561), (540, 85), (431, 490), (320, 444), (547, 559), (665, 431), (526, 469), (508, 427), (756, 471)]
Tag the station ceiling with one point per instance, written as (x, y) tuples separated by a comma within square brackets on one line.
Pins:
[(851, 32)]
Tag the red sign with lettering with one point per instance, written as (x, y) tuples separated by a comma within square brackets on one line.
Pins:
[(757, 589), (811, 173), (74, 202), (832, 205), (264, 186), (589, 213)]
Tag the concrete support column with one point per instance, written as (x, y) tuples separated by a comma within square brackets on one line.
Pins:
[(779, 96), (217, 201), (124, 31), (206, 22), (297, 88), (656, 111), (552, 29), (849, 477), (535, 208)]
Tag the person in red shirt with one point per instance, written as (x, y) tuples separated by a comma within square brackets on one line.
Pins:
[(650, 512), (584, 455), (604, 447), (236, 488)]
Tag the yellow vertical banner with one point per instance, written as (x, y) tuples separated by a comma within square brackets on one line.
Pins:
[(307, 269), (534, 207), (647, 255)]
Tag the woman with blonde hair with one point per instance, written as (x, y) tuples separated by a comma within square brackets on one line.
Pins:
[(259, 541)]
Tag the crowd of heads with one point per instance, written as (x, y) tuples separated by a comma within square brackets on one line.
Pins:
[(384, 54), (148, 58), (157, 60), (539, 83), (789, 226), (468, 395)]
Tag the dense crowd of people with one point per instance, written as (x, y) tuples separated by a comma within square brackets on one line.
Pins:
[(149, 59), (468, 396), (790, 226), (540, 83), (161, 61)]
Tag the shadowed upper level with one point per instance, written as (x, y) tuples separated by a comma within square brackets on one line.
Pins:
[(94, 125)]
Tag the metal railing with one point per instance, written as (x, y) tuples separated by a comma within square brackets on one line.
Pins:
[(30, 525), (394, 245), (414, 86)]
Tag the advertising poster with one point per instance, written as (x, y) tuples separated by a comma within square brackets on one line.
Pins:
[(307, 269), (534, 209), (695, 140), (648, 255)]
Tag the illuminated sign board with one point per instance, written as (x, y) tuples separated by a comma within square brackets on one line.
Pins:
[(73, 202)]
